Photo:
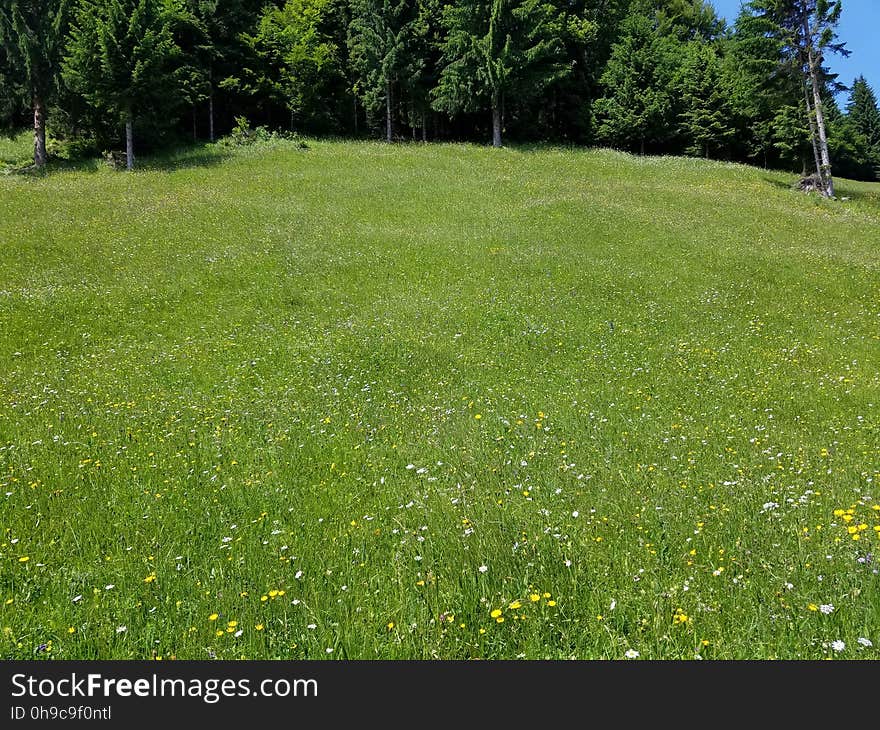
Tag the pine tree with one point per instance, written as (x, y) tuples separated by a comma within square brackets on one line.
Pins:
[(121, 58), (497, 49), (706, 116), (32, 32)]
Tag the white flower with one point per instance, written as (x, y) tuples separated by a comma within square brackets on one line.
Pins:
[(865, 642), (838, 645), (613, 604), (312, 627), (238, 633), (826, 608), (77, 599), (109, 587), (567, 563), (121, 629), (575, 514), (298, 574), (631, 654), (328, 650), (410, 466), (483, 568)]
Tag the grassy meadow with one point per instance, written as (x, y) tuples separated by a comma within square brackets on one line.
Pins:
[(369, 401)]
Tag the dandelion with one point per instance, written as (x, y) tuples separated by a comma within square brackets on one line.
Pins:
[(213, 617), (514, 605), (390, 625), (150, 578), (812, 607), (534, 597), (551, 603), (631, 654), (24, 558), (495, 613), (259, 627)]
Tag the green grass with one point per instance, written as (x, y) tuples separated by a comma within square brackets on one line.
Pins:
[(313, 392)]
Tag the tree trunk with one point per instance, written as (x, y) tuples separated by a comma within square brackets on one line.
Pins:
[(389, 118), (496, 124), (825, 169), (129, 142), (643, 147), (195, 125), (813, 135), (211, 115), (39, 132), (824, 160), (424, 127)]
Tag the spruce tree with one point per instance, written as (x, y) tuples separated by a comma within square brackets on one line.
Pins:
[(706, 116), (863, 112), (496, 49), (32, 33), (121, 58)]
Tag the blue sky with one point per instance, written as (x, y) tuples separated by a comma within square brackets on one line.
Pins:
[(859, 29)]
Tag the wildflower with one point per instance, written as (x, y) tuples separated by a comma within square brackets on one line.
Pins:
[(483, 568), (495, 613), (150, 578), (826, 608), (551, 603), (865, 642), (213, 617), (812, 607), (232, 624), (24, 559), (259, 627), (534, 597), (838, 645), (514, 605), (76, 599), (390, 625), (631, 654), (71, 630), (121, 629)]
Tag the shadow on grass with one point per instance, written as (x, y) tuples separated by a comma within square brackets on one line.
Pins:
[(181, 159)]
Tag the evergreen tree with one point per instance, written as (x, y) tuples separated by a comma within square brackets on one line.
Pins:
[(706, 117), (121, 58), (32, 33), (637, 107), (384, 37), (806, 30), (497, 49), (864, 114)]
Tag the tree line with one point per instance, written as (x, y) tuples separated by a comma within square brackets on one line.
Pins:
[(648, 76)]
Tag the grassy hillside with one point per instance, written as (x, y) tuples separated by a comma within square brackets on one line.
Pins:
[(368, 401)]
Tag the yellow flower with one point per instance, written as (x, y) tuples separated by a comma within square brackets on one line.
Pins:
[(478, 416), (272, 594), (264, 598), (499, 620), (219, 632), (534, 597), (390, 625), (495, 613), (232, 624), (545, 595), (71, 630), (551, 603), (213, 617), (812, 607), (515, 605), (259, 627), (24, 559), (150, 578)]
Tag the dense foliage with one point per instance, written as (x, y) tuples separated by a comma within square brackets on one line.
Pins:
[(660, 76)]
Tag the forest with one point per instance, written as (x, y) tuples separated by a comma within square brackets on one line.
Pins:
[(646, 76)]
